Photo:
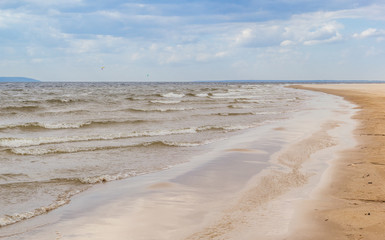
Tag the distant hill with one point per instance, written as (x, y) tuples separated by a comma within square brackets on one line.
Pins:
[(17, 79)]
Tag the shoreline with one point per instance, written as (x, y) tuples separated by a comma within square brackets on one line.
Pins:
[(350, 204)]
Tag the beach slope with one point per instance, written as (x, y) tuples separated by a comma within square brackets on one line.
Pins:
[(351, 203)]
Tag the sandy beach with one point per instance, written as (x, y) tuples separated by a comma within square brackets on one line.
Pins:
[(351, 203), (192, 120)]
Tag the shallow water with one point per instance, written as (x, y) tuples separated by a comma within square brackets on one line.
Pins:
[(246, 186), (59, 139)]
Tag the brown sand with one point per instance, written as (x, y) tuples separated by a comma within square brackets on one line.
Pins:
[(352, 203)]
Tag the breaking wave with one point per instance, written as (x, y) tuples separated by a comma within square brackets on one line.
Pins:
[(61, 200), (25, 142), (172, 109), (61, 150), (67, 125), (21, 108), (173, 95), (165, 102), (65, 100), (234, 114)]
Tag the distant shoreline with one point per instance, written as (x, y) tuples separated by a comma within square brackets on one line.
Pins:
[(294, 81), (17, 79)]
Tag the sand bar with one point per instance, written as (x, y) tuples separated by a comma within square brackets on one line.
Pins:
[(352, 203)]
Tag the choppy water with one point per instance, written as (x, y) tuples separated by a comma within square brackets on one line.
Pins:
[(58, 139)]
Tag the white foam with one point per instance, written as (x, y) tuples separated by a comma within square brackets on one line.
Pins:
[(61, 125), (165, 102), (43, 150), (17, 217), (25, 142), (191, 144), (44, 125), (106, 178), (172, 109), (264, 113), (173, 95), (232, 95)]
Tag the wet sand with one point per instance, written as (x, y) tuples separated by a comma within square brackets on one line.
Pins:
[(251, 186), (350, 205)]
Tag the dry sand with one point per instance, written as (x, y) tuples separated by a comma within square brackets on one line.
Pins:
[(352, 203)]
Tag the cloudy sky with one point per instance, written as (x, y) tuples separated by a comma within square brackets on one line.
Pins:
[(187, 40)]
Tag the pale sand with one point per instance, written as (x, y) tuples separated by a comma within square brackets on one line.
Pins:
[(352, 203)]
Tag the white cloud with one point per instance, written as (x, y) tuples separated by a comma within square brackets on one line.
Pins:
[(185, 53), (304, 29), (314, 28), (65, 3), (96, 44), (257, 35), (220, 54), (146, 34), (244, 36), (324, 32), (337, 37), (111, 14), (10, 18), (286, 43), (370, 32), (372, 12)]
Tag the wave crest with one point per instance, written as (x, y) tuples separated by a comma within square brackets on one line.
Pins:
[(27, 142), (61, 200), (67, 125), (173, 95), (63, 150)]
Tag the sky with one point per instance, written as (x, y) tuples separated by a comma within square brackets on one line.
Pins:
[(192, 40)]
